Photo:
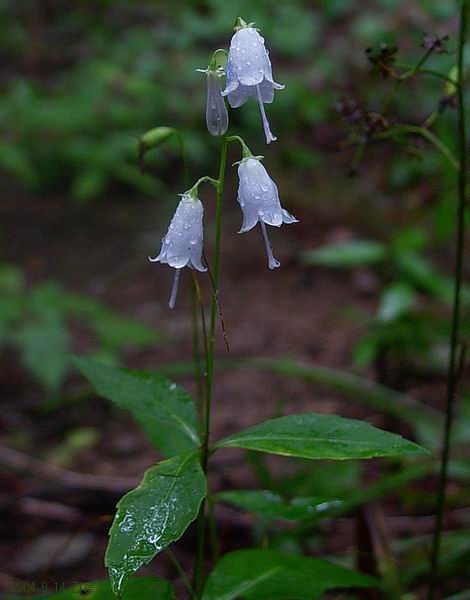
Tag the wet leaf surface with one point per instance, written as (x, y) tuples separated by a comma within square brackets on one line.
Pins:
[(271, 505), (155, 514)]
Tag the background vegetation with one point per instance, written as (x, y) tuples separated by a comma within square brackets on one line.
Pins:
[(81, 81)]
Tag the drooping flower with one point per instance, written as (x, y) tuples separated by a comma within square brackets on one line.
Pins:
[(182, 245), (249, 73), (216, 110), (259, 200)]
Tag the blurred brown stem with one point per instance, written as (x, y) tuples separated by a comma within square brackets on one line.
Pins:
[(453, 368)]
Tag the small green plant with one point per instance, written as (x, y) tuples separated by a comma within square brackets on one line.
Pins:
[(37, 321), (401, 326), (176, 491)]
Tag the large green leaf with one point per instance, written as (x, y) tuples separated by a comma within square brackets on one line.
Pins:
[(311, 435), (155, 514), (163, 409), (140, 588), (360, 389), (356, 253), (262, 574), (271, 505)]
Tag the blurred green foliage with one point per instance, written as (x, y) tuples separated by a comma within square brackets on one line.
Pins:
[(37, 322), (81, 81), (404, 324)]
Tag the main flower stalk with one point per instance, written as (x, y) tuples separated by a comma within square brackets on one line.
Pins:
[(210, 357)]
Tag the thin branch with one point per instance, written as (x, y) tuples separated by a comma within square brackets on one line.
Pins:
[(70, 479)]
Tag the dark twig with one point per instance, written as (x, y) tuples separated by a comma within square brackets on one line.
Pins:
[(70, 479), (452, 374)]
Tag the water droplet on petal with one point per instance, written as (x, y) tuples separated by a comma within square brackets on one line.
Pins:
[(264, 187), (261, 213)]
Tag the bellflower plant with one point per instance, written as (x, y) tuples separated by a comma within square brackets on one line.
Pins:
[(249, 72), (259, 200), (182, 245), (176, 491)]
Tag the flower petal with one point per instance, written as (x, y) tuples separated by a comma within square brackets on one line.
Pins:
[(247, 56), (287, 217), (231, 78), (266, 90), (240, 95)]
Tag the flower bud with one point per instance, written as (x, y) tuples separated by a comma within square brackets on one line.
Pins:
[(152, 139), (216, 111)]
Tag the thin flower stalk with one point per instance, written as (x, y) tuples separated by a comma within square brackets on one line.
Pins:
[(453, 371)]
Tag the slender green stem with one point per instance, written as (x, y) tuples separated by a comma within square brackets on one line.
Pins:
[(204, 179), (180, 570), (246, 152), (417, 66), (452, 373), (215, 276), (431, 72), (423, 132), (201, 527), (399, 79)]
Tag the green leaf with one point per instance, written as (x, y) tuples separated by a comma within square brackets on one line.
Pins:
[(45, 346), (139, 588), (262, 574), (163, 409), (397, 300), (311, 435), (271, 505), (116, 331), (359, 389), (357, 253), (113, 329), (155, 514)]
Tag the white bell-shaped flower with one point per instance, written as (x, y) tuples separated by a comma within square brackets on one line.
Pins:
[(259, 200), (249, 73), (182, 245)]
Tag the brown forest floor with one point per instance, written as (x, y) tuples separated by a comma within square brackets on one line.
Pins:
[(101, 250)]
